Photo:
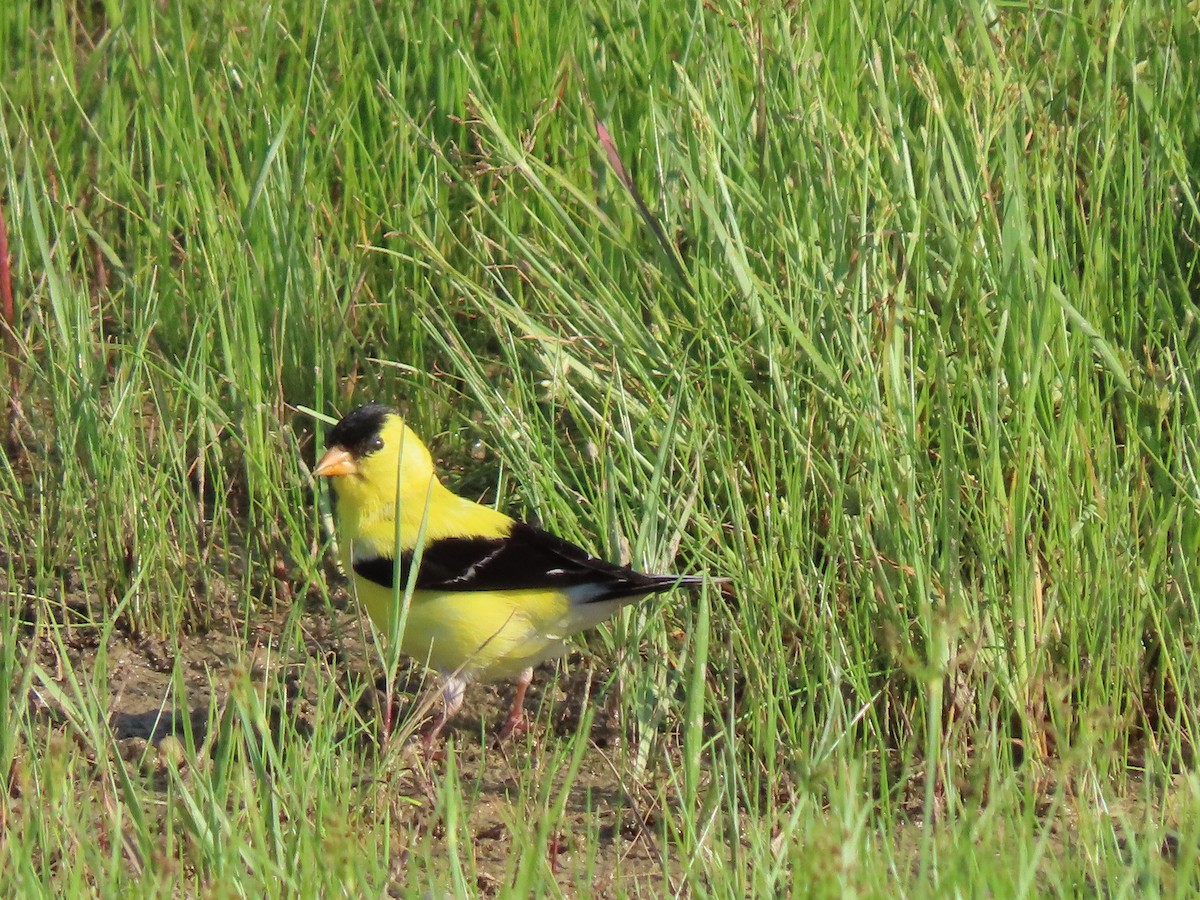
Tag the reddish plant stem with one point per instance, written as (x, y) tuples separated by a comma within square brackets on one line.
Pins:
[(656, 228)]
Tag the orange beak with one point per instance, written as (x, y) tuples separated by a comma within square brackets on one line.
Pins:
[(336, 461)]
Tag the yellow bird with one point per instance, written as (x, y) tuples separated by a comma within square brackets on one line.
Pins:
[(492, 596)]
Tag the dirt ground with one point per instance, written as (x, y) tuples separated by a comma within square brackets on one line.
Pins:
[(608, 813), (148, 727)]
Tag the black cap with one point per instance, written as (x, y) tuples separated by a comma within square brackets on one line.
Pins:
[(357, 432)]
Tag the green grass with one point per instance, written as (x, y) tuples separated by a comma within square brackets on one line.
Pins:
[(888, 313)]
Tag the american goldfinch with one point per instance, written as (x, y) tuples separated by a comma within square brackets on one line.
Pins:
[(492, 596)]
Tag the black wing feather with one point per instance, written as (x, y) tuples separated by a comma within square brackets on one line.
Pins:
[(527, 559)]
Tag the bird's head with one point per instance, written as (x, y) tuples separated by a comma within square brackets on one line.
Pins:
[(373, 458)]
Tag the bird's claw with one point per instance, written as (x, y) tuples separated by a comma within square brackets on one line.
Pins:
[(513, 725)]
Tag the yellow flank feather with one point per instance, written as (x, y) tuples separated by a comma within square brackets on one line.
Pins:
[(491, 634), (492, 596)]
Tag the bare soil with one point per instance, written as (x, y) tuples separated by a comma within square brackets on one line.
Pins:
[(149, 728)]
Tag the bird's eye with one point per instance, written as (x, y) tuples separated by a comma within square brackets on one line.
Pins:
[(376, 444)]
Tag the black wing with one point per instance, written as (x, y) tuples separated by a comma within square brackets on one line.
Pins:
[(527, 559)]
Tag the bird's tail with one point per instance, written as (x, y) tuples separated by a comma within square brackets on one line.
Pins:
[(642, 585), (669, 582), (666, 582)]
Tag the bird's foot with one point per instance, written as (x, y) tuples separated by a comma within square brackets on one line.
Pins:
[(433, 744), (513, 725), (434, 753), (516, 723)]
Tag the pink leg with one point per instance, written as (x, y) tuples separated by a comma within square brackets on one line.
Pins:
[(516, 716), (452, 701)]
